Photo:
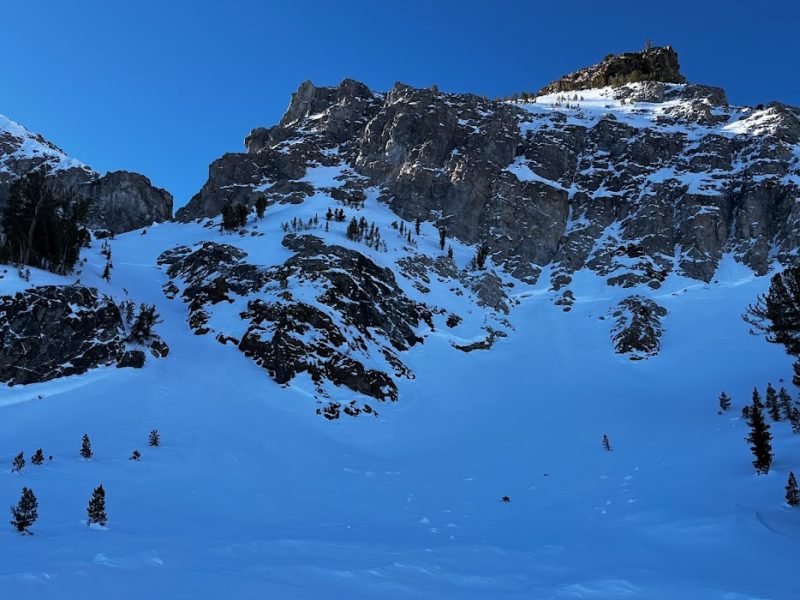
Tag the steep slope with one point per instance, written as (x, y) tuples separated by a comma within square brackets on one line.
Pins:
[(119, 201)]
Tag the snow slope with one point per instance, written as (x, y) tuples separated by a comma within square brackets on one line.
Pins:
[(252, 495)]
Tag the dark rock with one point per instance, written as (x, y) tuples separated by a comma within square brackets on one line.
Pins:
[(655, 64), (54, 331)]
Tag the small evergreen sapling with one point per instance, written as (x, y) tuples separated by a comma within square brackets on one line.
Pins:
[(795, 419), (86, 447), (261, 206), (724, 402), (606, 443), (136, 455), (38, 457), (96, 510), (760, 437), (25, 512), (792, 493), (154, 439), (19, 463)]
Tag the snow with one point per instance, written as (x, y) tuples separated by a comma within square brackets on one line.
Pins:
[(252, 495), (32, 146)]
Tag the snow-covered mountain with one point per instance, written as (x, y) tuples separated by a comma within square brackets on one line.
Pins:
[(447, 301), (119, 200)]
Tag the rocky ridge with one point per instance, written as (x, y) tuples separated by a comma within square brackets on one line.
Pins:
[(119, 201), (633, 182)]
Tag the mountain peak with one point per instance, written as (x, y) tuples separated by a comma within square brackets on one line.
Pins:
[(652, 64)]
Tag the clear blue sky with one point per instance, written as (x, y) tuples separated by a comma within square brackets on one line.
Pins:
[(164, 87)]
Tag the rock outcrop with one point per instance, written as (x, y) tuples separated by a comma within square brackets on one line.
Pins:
[(55, 331), (653, 64), (119, 201), (327, 311), (634, 181), (637, 327)]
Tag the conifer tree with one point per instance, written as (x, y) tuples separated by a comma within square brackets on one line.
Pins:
[(785, 403), (417, 224), (97, 507), (792, 493), (724, 401), (450, 252), (19, 463), (795, 419), (746, 412), (38, 457), (606, 443), (25, 512), (107, 270), (261, 206), (442, 237), (759, 437), (136, 455), (86, 447), (155, 438), (771, 403)]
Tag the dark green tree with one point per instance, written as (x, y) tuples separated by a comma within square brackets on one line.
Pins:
[(442, 237), (792, 493), (760, 438), (154, 439), (86, 447), (777, 314), (724, 401), (606, 443), (38, 457), (41, 228), (136, 455), (25, 513), (771, 403), (785, 403), (795, 419), (19, 463), (480, 256), (142, 328), (353, 230), (261, 206), (97, 507), (417, 224)]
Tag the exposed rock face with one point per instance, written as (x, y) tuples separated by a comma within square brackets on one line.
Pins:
[(119, 201), (636, 182), (637, 328), (327, 311), (55, 331), (655, 64)]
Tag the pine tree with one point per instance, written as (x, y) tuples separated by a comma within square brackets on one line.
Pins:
[(19, 463), (25, 512), (261, 206), (746, 412), (107, 270), (606, 443), (792, 493), (759, 437), (785, 403), (795, 419), (38, 457), (417, 224), (450, 252), (136, 455), (442, 237), (97, 507), (771, 403), (353, 230), (796, 374), (155, 438), (724, 401), (86, 447)]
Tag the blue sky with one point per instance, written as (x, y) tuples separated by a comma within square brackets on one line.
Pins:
[(164, 87)]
